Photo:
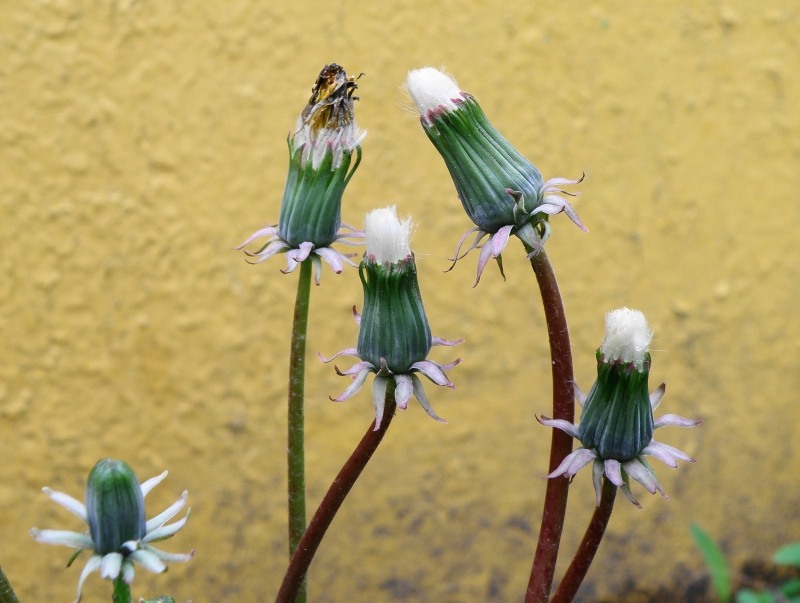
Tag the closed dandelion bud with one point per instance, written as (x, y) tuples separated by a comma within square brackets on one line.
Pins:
[(501, 191), (118, 536), (394, 337), (312, 200), (324, 153), (617, 425), (320, 159), (114, 506), (617, 420), (394, 329), (482, 163)]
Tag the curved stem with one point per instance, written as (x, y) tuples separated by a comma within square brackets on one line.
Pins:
[(586, 550), (6, 592), (334, 498), (295, 459), (122, 591), (555, 502)]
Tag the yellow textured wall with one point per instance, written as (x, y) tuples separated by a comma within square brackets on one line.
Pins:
[(141, 140)]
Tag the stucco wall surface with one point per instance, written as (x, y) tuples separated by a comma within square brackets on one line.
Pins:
[(140, 141)]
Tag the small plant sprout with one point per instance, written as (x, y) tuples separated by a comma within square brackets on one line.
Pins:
[(324, 153), (502, 192), (394, 337), (617, 425), (119, 536)]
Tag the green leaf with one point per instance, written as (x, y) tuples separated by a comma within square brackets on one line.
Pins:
[(753, 596), (788, 555), (791, 588), (715, 560)]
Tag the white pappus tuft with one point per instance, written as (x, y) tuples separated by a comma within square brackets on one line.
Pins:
[(387, 236), (431, 89), (627, 337)]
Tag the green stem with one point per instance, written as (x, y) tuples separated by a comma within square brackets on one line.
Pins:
[(586, 550), (122, 591), (295, 460), (555, 502), (6, 592), (338, 491)]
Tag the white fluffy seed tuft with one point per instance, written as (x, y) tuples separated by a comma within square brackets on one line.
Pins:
[(316, 143), (387, 235), (432, 89), (627, 337)]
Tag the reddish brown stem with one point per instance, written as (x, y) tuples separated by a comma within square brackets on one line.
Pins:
[(555, 502), (591, 542), (6, 592), (341, 486)]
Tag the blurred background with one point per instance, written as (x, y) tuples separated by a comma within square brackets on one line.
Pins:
[(141, 141)]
